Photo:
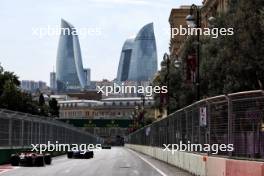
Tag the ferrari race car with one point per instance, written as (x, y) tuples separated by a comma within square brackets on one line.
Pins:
[(30, 159), (80, 155)]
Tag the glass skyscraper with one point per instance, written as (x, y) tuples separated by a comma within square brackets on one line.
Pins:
[(124, 62), (69, 68), (138, 61)]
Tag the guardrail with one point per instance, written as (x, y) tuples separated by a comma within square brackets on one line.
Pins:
[(20, 130), (236, 119)]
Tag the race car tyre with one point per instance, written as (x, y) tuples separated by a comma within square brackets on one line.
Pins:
[(88, 155), (39, 161), (47, 159), (14, 160), (70, 154), (29, 161)]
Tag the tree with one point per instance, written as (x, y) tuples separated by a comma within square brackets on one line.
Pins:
[(234, 63), (12, 98), (179, 93), (41, 100), (54, 107), (227, 63), (7, 76)]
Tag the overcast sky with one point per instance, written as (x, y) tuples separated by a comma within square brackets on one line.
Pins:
[(33, 58)]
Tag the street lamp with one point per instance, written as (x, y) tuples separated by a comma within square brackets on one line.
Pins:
[(165, 64), (177, 63), (135, 118), (194, 21), (143, 99), (211, 22), (190, 20)]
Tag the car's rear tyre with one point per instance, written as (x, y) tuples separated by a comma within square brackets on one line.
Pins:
[(70, 154), (14, 160), (39, 161), (47, 159), (29, 161), (88, 154)]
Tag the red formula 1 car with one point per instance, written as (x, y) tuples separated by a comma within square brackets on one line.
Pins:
[(30, 159)]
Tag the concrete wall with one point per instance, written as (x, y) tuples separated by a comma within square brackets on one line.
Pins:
[(216, 166), (203, 165), (236, 168)]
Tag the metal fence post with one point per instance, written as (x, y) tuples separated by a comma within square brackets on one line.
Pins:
[(10, 126), (208, 127), (39, 133), (186, 126), (22, 134), (230, 122)]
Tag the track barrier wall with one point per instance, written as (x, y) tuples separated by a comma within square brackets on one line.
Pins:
[(203, 165), (19, 130), (236, 119)]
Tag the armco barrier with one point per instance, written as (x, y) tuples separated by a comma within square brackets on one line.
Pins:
[(202, 165)]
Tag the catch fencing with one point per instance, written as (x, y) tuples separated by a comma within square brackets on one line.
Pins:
[(236, 119), (20, 130)]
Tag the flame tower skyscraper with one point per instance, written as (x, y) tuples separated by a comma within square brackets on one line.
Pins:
[(70, 73), (138, 61)]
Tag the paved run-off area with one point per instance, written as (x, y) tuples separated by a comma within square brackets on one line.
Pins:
[(118, 161)]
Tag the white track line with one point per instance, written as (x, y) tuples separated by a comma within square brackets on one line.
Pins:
[(6, 170), (149, 163)]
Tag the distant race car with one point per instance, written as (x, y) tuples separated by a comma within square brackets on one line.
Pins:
[(106, 146), (30, 159), (80, 155)]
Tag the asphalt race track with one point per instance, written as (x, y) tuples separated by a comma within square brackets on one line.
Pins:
[(118, 161)]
